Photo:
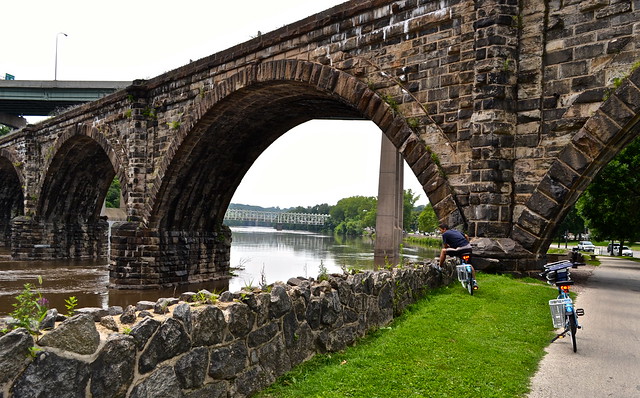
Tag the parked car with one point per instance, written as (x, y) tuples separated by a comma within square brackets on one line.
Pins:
[(586, 246), (626, 251), (613, 248)]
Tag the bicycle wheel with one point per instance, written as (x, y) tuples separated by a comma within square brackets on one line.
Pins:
[(573, 326), (470, 284)]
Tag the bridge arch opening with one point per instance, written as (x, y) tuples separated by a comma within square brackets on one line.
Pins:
[(11, 198), (319, 161)]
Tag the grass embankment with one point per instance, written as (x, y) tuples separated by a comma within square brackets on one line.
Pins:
[(449, 344)]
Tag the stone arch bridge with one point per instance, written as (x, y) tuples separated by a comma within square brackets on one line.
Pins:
[(504, 109)]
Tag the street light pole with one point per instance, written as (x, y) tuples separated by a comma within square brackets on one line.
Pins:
[(55, 76)]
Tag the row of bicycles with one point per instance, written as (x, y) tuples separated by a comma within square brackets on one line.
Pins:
[(563, 312)]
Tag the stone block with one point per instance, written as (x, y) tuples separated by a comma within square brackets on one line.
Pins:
[(49, 373), (575, 159), (601, 127)]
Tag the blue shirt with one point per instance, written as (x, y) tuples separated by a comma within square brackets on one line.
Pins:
[(454, 238)]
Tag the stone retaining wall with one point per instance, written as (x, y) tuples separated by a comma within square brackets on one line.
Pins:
[(233, 348)]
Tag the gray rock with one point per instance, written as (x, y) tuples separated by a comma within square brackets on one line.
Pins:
[(77, 334), (170, 340), (331, 308), (280, 302), (112, 371), (49, 320), (262, 335), (50, 375), (145, 314), (95, 312), (129, 315), (142, 331), (161, 306), (274, 359), (109, 322), (144, 305), (240, 319), (228, 361), (186, 296), (214, 390), (160, 384), (191, 369), (250, 382), (14, 353), (226, 297), (115, 310), (208, 326), (183, 313)]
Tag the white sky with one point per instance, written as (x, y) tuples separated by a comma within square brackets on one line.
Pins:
[(317, 162)]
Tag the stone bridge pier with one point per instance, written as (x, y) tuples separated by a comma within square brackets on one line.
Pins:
[(505, 110)]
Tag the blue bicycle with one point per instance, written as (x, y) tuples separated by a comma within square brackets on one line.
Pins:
[(563, 312)]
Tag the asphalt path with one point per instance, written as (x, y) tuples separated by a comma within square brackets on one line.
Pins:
[(607, 363)]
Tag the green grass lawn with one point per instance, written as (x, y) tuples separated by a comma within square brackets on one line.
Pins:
[(449, 344)]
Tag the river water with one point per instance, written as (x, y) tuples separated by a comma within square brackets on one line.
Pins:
[(258, 255)]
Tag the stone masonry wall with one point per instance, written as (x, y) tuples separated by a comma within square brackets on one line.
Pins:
[(149, 258), (232, 348), (63, 240)]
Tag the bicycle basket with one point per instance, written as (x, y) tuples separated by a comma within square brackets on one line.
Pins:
[(557, 307)]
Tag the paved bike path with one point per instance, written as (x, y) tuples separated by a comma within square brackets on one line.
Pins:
[(607, 363)]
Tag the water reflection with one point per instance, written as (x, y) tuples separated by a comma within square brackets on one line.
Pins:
[(260, 253)]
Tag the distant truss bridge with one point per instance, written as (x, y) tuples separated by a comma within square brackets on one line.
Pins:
[(276, 217)]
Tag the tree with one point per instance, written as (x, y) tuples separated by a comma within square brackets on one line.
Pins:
[(409, 219), (4, 130), (611, 204), (352, 215), (427, 220), (113, 194), (573, 223)]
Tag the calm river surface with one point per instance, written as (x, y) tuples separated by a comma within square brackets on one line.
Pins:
[(257, 252)]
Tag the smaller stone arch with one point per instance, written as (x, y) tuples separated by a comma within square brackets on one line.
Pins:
[(614, 125), (116, 160)]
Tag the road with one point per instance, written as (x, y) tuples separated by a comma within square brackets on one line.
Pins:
[(607, 363)]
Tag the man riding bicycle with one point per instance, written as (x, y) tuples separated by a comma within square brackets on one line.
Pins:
[(455, 243)]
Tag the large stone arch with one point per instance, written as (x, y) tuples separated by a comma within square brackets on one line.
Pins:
[(251, 109), (80, 166), (614, 125), (11, 193)]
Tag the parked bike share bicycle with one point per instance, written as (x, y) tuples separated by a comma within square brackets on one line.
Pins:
[(563, 312), (465, 271), (457, 244)]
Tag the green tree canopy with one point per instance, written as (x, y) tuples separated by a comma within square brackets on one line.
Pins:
[(572, 222), (351, 215), (4, 130), (427, 220), (113, 194), (611, 204), (409, 216)]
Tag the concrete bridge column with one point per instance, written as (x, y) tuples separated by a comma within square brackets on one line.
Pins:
[(146, 258), (390, 205)]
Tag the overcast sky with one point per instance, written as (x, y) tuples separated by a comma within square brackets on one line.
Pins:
[(317, 162)]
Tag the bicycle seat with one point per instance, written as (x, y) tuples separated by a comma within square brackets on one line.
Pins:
[(462, 252)]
